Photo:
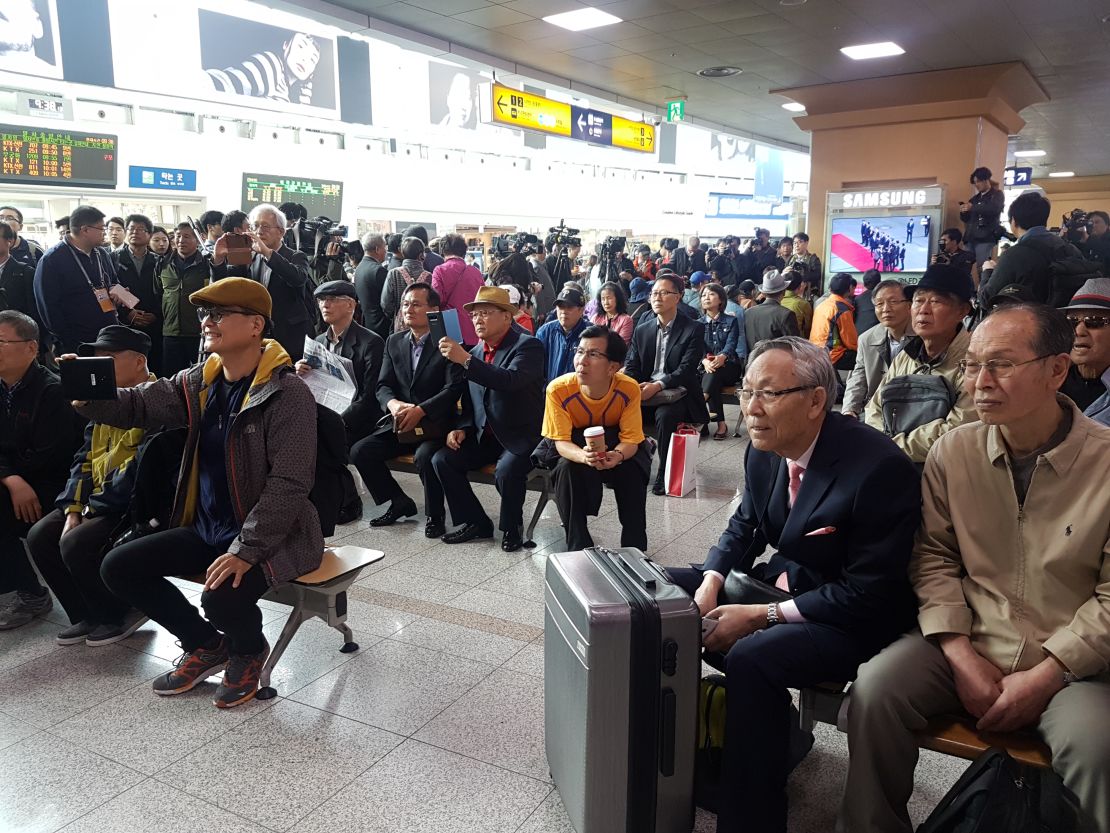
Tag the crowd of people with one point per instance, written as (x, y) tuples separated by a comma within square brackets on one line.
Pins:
[(942, 534)]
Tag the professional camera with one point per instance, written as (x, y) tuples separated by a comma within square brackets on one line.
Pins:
[(942, 257), (520, 243), (563, 235), (1076, 224), (312, 236), (615, 244)]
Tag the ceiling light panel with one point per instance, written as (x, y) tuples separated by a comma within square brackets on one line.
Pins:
[(867, 51), (580, 20)]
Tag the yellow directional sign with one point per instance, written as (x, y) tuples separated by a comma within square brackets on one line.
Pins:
[(633, 135), (534, 112)]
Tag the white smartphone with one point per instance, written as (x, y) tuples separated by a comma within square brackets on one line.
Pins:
[(708, 626)]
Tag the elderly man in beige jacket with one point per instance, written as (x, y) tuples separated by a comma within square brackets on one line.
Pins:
[(1012, 571)]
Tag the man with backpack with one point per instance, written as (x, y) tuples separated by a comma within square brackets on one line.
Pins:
[(242, 513), (1048, 264), (1010, 570), (921, 396)]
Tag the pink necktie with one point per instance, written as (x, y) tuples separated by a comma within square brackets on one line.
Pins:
[(796, 473)]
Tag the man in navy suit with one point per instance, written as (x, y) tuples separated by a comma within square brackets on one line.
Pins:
[(840, 504), (502, 414)]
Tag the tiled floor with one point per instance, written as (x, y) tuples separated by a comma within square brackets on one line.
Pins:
[(435, 724)]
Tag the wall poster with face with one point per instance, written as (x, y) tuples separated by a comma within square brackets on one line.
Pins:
[(29, 38)]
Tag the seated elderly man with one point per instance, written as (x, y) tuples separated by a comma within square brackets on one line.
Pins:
[(242, 513), (878, 346), (1010, 567), (921, 396), (69, 544), (1089, 314), (597, 394), (840, 503)]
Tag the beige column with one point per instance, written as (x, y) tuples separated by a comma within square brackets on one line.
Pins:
[(924, 128)]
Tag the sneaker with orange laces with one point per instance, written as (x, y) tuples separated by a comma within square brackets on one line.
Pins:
[(191, 668), (240, 682)]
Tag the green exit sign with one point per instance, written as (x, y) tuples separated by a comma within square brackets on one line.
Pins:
[(676, 110)]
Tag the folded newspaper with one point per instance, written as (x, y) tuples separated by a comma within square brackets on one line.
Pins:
[(331, 378)]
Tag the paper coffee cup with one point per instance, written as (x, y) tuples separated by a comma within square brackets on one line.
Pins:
[(595, 438)]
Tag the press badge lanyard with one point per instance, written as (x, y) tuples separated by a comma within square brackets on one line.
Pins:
[(100, 292)]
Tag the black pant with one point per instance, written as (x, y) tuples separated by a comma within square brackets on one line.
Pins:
[(71, 566), (510, 476), (759, 669), (136, 573), (712, 383), (16, 572), (665, 418), (578, 490), (371, 455), (178, 353)]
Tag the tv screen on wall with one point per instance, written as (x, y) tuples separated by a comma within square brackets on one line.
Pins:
[(898, 243)]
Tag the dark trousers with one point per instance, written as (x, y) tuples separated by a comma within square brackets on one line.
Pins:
[(578, 491), (16, 572), (511, 477), (71, 566), (759, 669), (665, 418), (136, 573), (712, 383), (178, 353), (371, 455)]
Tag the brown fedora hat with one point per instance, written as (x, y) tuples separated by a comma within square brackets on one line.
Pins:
[(494, 296)]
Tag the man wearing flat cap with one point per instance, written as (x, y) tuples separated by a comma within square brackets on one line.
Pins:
[(502, 414), (242, 512), (1088, 313), (69, 544), (347, 338)]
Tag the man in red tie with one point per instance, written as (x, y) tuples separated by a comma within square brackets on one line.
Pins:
[(839, 504)]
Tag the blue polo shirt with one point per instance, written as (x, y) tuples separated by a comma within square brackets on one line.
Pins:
[(559, 347)]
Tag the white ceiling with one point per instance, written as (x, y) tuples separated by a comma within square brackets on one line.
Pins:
[(652, 56)]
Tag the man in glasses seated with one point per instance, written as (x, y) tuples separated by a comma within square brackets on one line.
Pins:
[(598, 395), (242, 513), (666, 352), (916, 412), (1089, 314), (1012, 579), (282, 270)]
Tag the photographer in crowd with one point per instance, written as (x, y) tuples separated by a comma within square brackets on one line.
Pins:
[(981, 213), (178, 276), (952, 253)]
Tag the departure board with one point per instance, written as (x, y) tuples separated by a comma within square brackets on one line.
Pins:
[(318, 196), (58, 157)]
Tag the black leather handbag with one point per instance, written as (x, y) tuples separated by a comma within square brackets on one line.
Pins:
[(743, 589)]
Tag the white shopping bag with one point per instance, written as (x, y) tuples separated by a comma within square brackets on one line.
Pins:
[(682, 461)]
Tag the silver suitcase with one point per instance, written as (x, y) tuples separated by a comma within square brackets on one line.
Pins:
[(621, 668)]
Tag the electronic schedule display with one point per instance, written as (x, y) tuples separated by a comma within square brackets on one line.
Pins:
[(58, 157), (320, 197)]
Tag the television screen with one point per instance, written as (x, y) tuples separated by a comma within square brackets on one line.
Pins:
[(890, 244)]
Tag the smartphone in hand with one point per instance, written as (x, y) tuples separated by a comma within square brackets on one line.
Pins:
[(88, 378)]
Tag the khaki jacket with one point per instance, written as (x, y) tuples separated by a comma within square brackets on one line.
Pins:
[(1020, 582), (916, 443)]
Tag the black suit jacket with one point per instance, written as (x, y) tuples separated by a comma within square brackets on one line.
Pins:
[(139, 278), (369, 280), (436, 384), (864, 489), (865, 312), (687, 264), (685, 350), (512, 390), (290, 290), (364, 349)]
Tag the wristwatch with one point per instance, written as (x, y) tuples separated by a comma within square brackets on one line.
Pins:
[(1070, 678), (772, 614), (466, 364)]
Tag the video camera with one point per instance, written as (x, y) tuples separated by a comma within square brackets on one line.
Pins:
[(1076, 224), (312, 236), (563, 235), (610, 245), (520, 243)]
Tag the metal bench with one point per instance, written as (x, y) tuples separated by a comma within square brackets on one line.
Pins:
[(539, 480)]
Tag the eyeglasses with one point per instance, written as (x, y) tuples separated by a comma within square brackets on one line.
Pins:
[(934, 302), (583, 353), (6, 341), (747, 394), (266, 227), (662, 293), (218, 314), (998, 368), (99, 228), (484, 313), (1091, 322)]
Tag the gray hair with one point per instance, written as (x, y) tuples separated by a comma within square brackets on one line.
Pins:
[(271, 209), (24, 326), (812, 365), (373, 240)]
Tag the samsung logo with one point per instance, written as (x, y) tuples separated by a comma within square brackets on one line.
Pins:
[(886, 199)]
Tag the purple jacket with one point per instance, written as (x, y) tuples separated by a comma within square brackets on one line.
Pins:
[(457, 284)]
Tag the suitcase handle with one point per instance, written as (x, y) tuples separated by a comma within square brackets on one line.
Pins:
[(630, 568)]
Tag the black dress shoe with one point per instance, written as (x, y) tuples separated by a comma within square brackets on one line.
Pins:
[(658, 489), (512, 541), (466, 532), (349, 513), (434, 528), (397, 509)]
